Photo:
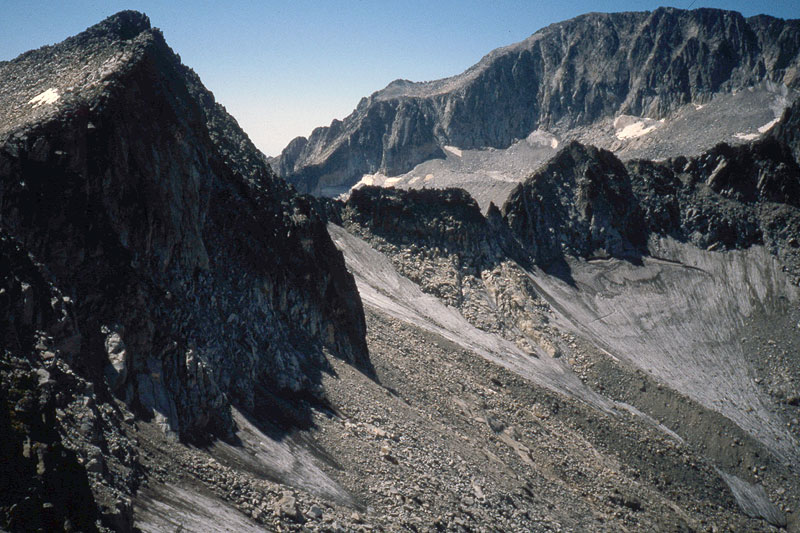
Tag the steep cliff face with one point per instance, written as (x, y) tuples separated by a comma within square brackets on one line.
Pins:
[(195, 277), (43, 484), (568, 74), (729, 197), (580, 203), (445, 240)]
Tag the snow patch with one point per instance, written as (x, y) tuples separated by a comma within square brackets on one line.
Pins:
[(634, 130), (698, 107), (370, 179), (746, 136), (629, 127), (453, 150), (48, 97), (766, 127), (542, 138)]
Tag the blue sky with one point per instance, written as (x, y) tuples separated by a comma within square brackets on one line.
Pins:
[(284, 68)]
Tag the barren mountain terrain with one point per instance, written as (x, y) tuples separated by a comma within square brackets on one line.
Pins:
[(561, 291)]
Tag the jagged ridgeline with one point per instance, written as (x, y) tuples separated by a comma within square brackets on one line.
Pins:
[(567, 75), (670, 266), (586, 203), (149, 253)]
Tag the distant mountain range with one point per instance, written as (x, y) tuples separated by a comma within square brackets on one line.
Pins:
[(568, 75)]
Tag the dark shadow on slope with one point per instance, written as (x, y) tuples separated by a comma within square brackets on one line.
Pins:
[(560, 269), (43, 483), (429, 221)]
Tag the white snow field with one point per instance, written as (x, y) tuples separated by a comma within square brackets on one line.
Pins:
[(50, 96)]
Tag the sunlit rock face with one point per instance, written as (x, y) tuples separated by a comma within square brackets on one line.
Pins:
[(586, 71)]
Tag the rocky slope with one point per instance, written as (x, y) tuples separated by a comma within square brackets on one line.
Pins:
[(153, 265), (586, 201), (570, 74), (680, 272), (183, 349)]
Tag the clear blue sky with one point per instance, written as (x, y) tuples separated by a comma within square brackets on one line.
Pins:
[(284, 68)]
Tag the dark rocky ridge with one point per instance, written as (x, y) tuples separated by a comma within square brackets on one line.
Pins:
[(587, 203), (36, 468), (444, 229), (585, 200), (153, 268), (568, 74), (193, 278), (579, 202)]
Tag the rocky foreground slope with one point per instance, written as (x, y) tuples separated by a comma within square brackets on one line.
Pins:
[(153, 267), (571, 74), (683, 272)]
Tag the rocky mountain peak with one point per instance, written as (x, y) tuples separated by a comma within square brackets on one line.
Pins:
[(196, 280), (568, 75), (124, 26), (579, 203), (616, 348)]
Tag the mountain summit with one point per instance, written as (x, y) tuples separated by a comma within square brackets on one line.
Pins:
[(152, 264), (567, 75)]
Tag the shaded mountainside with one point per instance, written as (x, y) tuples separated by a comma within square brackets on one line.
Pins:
[(569, 74), (152, 256), (185, 347)]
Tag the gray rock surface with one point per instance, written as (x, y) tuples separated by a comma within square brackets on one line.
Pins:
[(183, 348), (490, 174), (643, 278), (728, 197), (570, 74)]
